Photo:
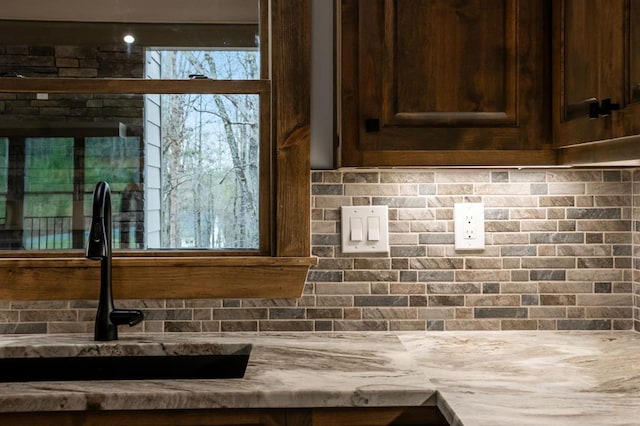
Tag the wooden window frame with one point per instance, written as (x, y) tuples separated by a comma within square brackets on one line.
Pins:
[(175, 275)]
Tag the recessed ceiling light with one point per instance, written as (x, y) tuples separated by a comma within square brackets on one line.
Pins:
[(128, 38)]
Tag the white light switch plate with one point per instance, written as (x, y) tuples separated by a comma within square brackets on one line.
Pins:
[(468, 226), (372, 235)]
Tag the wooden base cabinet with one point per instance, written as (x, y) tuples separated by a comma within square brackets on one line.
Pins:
[(424, 416), (444, 82), (375, 416), (221, 417)]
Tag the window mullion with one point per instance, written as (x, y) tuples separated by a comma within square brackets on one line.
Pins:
[(132, 86)]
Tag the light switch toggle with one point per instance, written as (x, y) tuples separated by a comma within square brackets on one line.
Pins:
[(356, 229), (373, 228)]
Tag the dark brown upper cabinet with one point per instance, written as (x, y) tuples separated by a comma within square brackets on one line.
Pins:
[(596, 52), (445, 82)]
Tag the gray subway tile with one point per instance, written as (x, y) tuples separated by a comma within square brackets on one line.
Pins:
[(24, 328), (602, 287), (594, 213), (574, 324), (286, 313), (406, 202), (557, 238), (371, 276), (361, 177), (408, 251), (376, 300), (500, 313), (518, 251), (435, 325), (436, 276), (490, 288), (323, 189), (442, 300), (436, 238), (286, 325), (548, 275)]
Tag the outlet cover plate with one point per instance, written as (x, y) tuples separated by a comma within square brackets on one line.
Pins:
[(468, 226), (372, 235)]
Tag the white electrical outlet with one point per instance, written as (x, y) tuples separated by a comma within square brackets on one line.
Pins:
[(468, 226)]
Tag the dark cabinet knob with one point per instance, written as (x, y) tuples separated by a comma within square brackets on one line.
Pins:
[(602, 108), (594, 110), (372, 125), (606, 106)]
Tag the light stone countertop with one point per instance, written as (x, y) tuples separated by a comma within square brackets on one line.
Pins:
[(532, 378), (476, 378), (289, 370)]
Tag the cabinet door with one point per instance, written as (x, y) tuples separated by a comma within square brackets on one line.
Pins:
[(378, 416), (177, 417), (597, 58), (444, 82), (632, 76)]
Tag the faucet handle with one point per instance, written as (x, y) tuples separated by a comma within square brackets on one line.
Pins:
[(97, 245), (126, 316)]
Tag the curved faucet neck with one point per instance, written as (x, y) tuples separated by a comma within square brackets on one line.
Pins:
[(99, 245), (99, 248)]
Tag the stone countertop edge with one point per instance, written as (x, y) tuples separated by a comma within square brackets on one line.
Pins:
[(284, 371), (476, 378), (532, 378)]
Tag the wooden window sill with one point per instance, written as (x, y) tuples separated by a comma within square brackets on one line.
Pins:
[(199, 277)]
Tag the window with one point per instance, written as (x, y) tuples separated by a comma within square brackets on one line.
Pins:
[(209, 151), (186, 167), (270, 266)]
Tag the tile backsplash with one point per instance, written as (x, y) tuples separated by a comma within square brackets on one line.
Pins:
[(559, 255), (558, 251)]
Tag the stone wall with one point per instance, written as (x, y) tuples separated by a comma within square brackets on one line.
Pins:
[(558, 256), (72, 62), (558, 253)]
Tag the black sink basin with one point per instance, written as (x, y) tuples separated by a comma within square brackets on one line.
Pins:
[(117, 367)]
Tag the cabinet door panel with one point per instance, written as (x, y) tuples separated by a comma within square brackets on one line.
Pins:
[(634, 52), (442, 75), (632, 82), (588, 56), (433, 67), (588, 48)]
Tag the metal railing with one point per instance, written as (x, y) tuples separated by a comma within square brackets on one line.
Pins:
[(56, 233), (47, 233)]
